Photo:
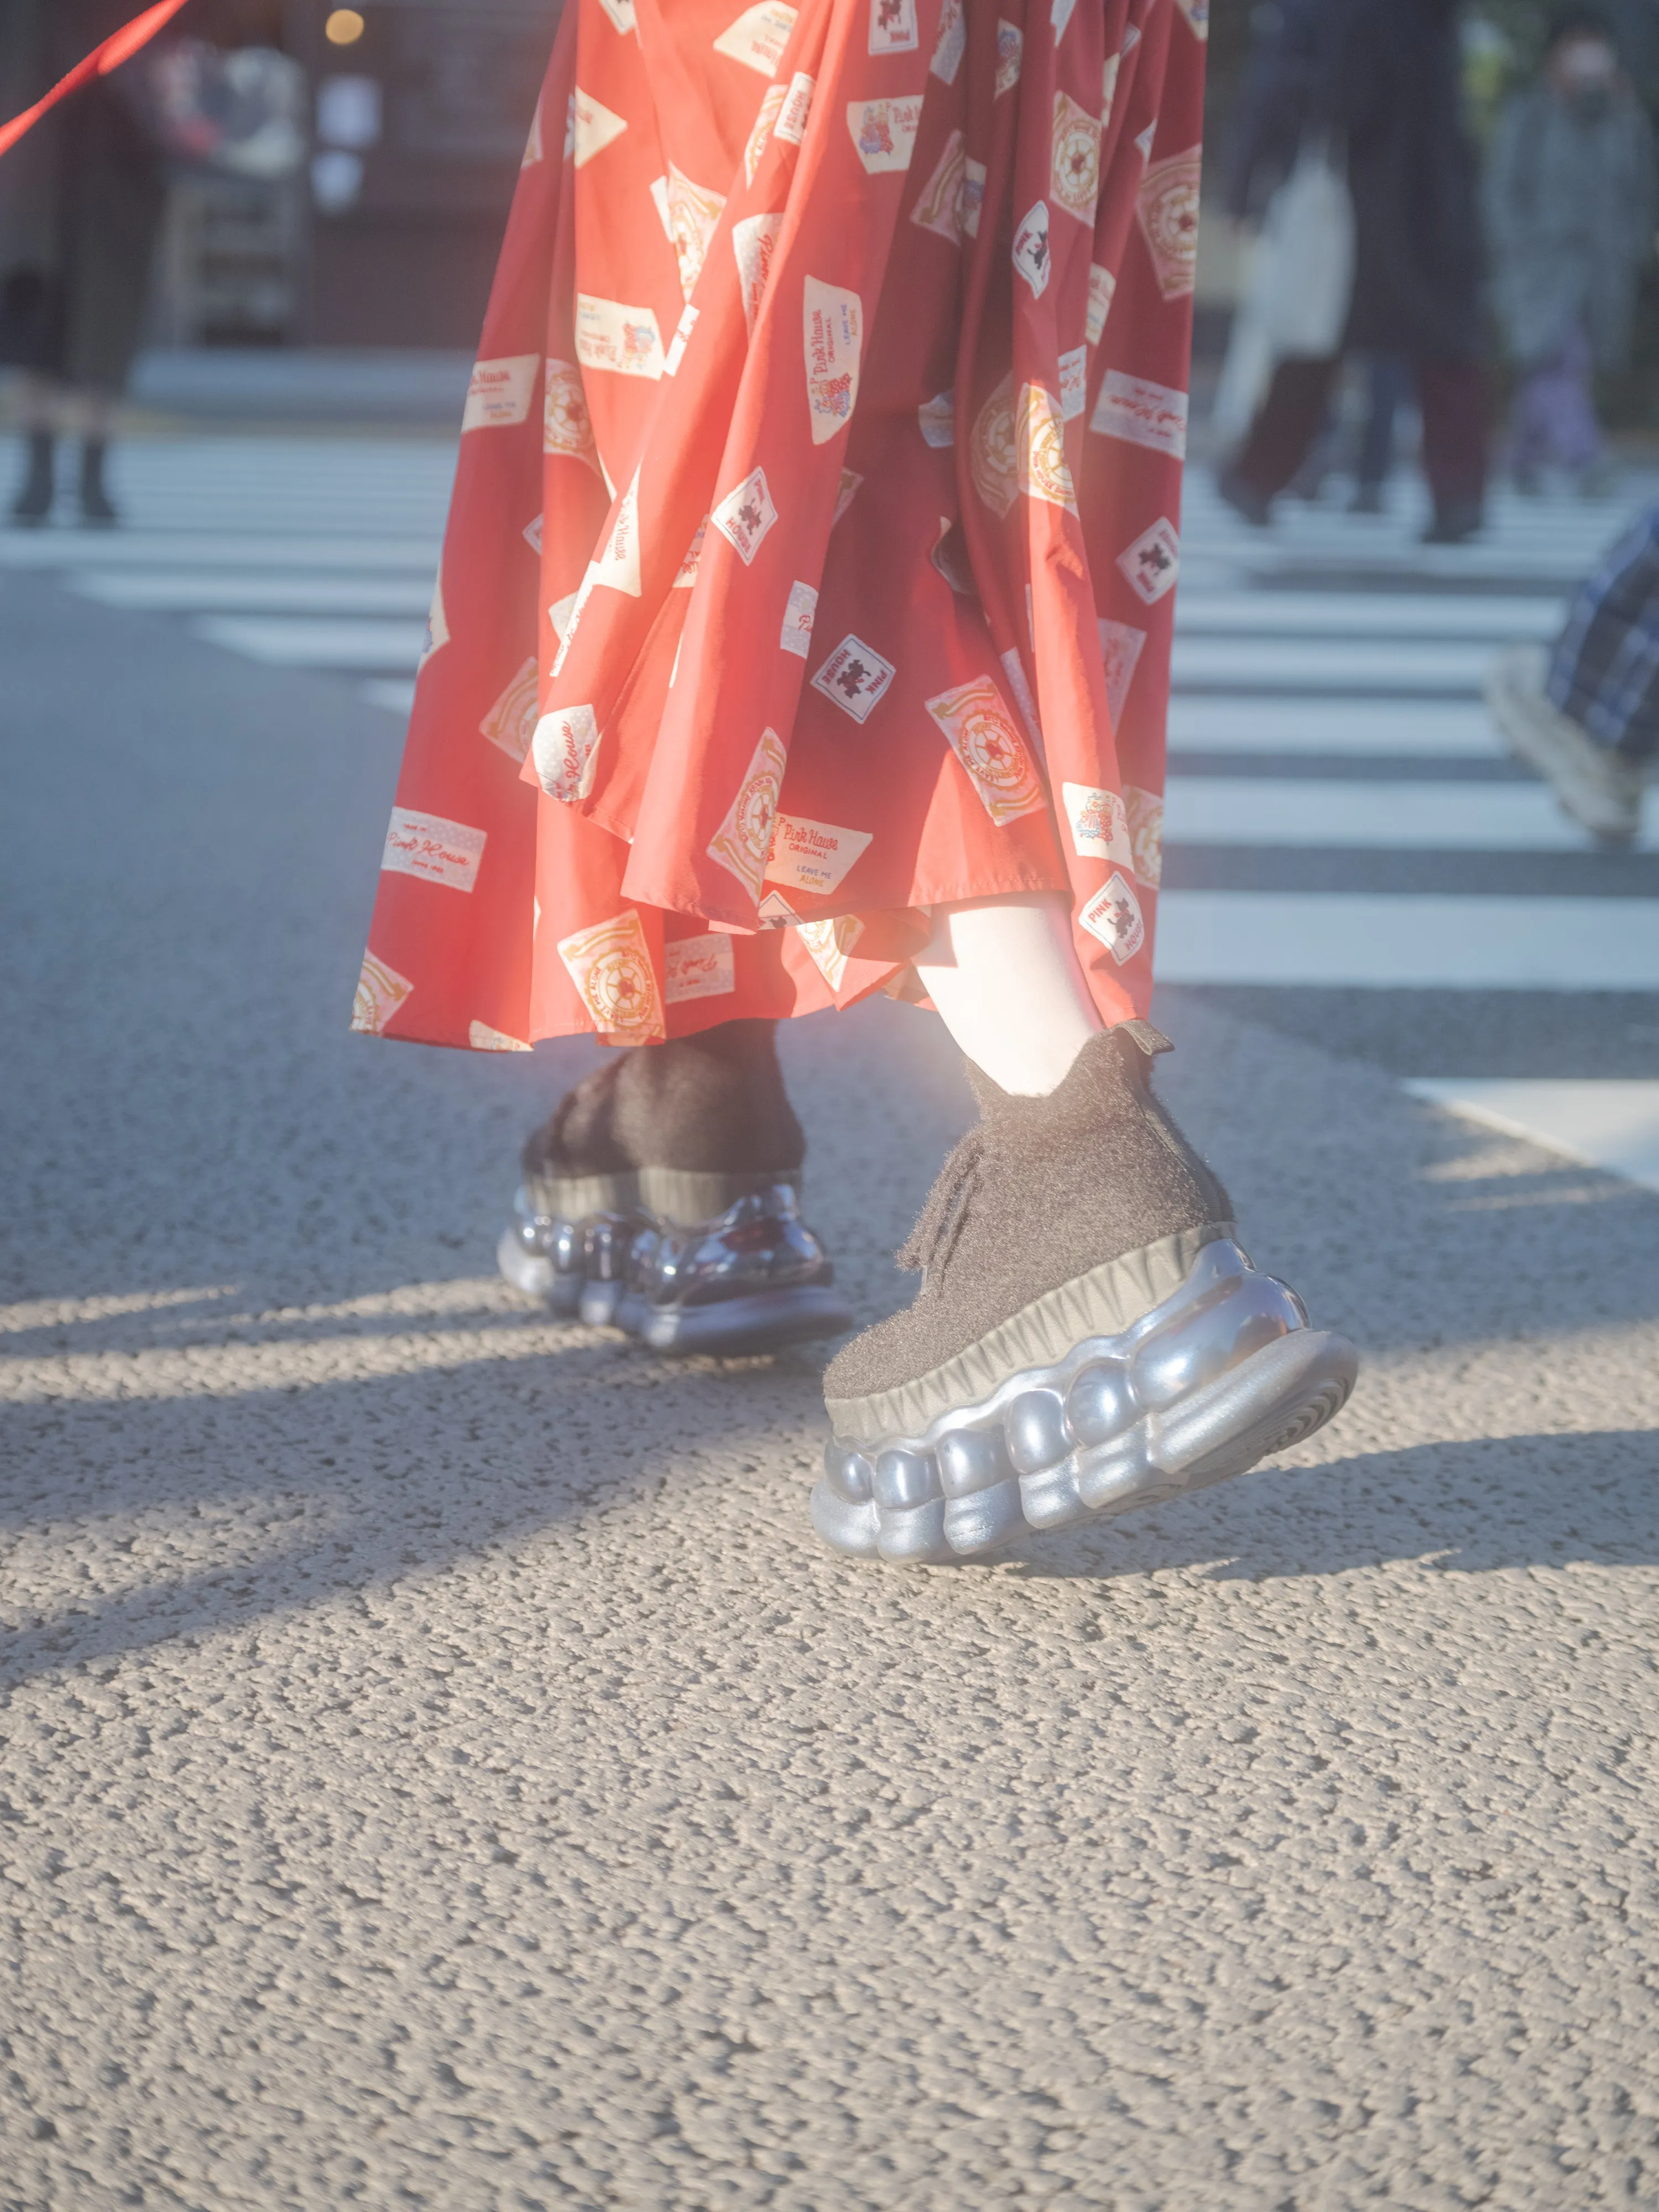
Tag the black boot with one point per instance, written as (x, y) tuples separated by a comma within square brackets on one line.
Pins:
[(1088, 1336), (662, 1197), (98, 511), (34, 502)]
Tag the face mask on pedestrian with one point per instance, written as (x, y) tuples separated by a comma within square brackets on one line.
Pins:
[(1585, 71)]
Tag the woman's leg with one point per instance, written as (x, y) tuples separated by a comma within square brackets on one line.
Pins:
[(1006, 980), (35, 499)]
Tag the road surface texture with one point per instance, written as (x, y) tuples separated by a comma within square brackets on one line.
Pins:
[(442, 1769)]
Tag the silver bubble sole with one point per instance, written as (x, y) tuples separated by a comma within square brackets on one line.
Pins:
[(1216, 1378), (753, 1280)]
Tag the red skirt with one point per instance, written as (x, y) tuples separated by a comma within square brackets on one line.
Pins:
[(812, 557)]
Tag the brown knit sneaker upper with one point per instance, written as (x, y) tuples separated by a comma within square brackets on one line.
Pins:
[(703, 1119), (1042, 1192)]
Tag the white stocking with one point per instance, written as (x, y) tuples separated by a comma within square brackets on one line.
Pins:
[(1006, 977)]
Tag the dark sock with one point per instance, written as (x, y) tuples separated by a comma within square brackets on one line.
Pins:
[(33, 501), (710, 1104), (95, 503)]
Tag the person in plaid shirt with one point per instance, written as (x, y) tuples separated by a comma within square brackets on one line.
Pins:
[(1585, 713)]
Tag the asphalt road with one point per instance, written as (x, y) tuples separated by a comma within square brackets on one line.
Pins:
[(440, 1769)]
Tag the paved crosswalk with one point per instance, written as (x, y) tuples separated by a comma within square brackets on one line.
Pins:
[(1327, 715)]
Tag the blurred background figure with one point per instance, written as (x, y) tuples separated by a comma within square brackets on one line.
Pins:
[(1570, 210), (1586, 713), (1379, 91), (81, 202)]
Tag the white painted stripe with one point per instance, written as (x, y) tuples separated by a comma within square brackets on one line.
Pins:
[(1409, 941), (1493, 619), (142, 548), (393, 693), (1326, 665), (1382, 726), (253, 590), (314, 643), (1392, 816), (1610, 1122)]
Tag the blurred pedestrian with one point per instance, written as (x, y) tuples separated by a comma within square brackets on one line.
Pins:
[(803, 632), (81, 200), (1390, 95), (1586, 713), (1569, 210)]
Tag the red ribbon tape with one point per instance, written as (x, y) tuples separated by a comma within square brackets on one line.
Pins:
[(119, 47)]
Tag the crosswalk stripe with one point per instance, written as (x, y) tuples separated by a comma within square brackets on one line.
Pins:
[(1409, 940), (1334, 659), (1607, 1121), (1440, 816)]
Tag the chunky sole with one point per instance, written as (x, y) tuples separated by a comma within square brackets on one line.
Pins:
[(1216, 1378), (764, 1321)]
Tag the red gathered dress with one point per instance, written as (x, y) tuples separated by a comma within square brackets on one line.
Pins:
[(811, 556)]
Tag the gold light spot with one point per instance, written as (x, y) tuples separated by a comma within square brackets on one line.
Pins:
[(344, 26)]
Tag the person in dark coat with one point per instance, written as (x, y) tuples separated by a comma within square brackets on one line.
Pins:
[(1391, 87), (81, 200)]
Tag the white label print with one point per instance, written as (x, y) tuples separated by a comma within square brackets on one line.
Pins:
[(1010, 45), (1166, 208), (833, 339), (758, 37), (1031, 249), (846, 493), (754, 241), (1114, 915), (885, 132), (1109, 87), (830, 944), (938, 419), (437, 625), (797, 619), (952, 43), (973, 196), (1120, 647), (1040, 449), (677, 344), (812, 856), (939, 208), (532, 534), (565, 749), (559, 612), (856, 677), (743, 516), (617, 562), (991, 752), (1074, 382), (893, 27), (621, 12), (693, 211), (500, 392), (699, 967), (1014, 669), (1141, 413), (611, 966), (1099, 823), (1074, 174), (381, 990), (437, 851), (532, 144), (511, 722), (992, 454), (1059, 14), (797, 107), (593, 127), (1146, 833), (1197, 12), (1102, 285), (611, 335), (1152, 562), (742, 842), (482, 1038), (760, 136), (686, 575), (566, 427)]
